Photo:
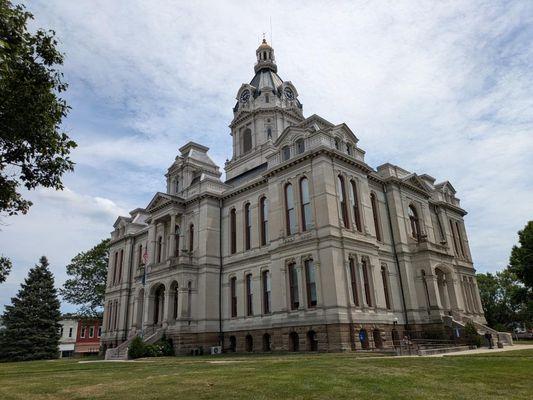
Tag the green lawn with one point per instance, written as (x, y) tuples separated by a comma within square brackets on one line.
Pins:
[(506, 375)]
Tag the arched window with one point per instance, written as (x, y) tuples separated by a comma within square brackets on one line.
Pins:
[(159, 248), (312, 341), (353, 279), (267, 291), (177, 233), (285, 153), (385, 280), (413, 220), (263, 215), (337, 144), (289, 210), (294, 342), (233, 344), (342, 199), (310, 281), (247, 141), (233, 230), (307, 218), (378, 342), (191, 238), (233, 296), (249, 341), (460, 239), (115, 262), (375, 212), (267, 342), (293, 286), (247, 226), (355, 206), (366, 283), (121, 261), (269, 132), (249, 295), (363, 337), (300, 146)]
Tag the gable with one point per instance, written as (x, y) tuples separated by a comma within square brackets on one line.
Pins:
[(417, 182), (315, 120), (158, 200)]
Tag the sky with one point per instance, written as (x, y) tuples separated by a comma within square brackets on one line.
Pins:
[(443, 88)]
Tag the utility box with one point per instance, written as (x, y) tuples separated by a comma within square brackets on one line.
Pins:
[(216, 350)]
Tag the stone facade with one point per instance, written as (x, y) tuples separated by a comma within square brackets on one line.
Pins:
[(302, 243)]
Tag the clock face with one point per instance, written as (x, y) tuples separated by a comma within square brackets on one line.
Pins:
[(289, 94), (245, 96)]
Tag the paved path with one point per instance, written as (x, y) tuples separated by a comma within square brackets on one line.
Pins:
[(483, 350)]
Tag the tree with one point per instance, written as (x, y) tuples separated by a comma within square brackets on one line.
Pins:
[(521, 260), (88, 272), (5, 268), (33, 150), (32, 320)]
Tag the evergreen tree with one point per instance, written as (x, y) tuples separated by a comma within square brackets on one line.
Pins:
[(32, 320)]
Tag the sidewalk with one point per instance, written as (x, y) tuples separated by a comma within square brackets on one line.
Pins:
[(483, 350)]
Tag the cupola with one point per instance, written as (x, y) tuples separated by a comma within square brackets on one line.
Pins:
[(265, 57)]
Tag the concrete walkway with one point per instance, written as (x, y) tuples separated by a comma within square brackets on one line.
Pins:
[(483, 350)]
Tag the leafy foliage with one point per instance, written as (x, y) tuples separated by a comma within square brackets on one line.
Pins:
[(87, 282), (161, 348), (471, 336), (521, 260), (33, 150), (5, 268), (32, 320)]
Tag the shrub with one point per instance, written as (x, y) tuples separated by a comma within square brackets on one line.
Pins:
[(161, 348), (471, 336), (137, 348)]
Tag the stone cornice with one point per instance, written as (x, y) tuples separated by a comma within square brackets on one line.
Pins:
[(449, 206)]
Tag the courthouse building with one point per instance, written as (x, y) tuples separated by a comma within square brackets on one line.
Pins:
[(303, 246)]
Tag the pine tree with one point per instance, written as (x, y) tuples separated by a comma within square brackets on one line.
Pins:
[(32, 320)]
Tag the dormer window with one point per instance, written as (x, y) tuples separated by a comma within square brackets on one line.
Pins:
[(300, 146)]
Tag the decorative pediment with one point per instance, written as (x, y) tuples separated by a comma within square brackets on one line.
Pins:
[(121, 221), (417, 182), (446, 186), (345, 132), (288, 133), (315, 121), (160, 199)]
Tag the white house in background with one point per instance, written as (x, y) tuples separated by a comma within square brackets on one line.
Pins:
[(68, 330)]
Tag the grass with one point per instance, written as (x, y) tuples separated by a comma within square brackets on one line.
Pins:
[(505, 375)]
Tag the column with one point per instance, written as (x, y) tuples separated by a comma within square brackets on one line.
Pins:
[(478, 297), (151, 243), (172, 247)]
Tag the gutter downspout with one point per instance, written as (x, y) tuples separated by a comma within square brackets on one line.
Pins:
[(220, 333), (395, 255)]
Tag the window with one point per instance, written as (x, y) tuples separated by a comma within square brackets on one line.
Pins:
[(99, 331), (366, 282), (342, 199), (307, 218), (233, 295), (413, 220), (120, 266), (175, 297), (247, 226), (300, 146), (385, 286), (375, 212), (177, 185), (177, 232), (61, 331), (349, 149), (355, 206), (233, 230), (140, 259), (269, 133), (247, 141), (293, 287), (91, 331), (82, 334), (266, 291), (310, 281), (337, 144), (289, 210), (70, 332), (189, 299), (285, 153), (191, 238), (249, 294), (263, 205), (353, 279), (159, 248), (115, 261), (460, 239), (454, 238)]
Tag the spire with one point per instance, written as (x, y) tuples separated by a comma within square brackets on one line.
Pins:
[(265, 57)]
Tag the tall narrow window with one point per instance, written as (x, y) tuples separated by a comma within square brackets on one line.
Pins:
[(175, 296), (233, 230), (263, 206), (176, 185), (247, 141), (159, 248), (269, 133), (355, 206), (349, 149), (337, 144), (375, 214), (121, 261), (460, 239), (454, 238), (307, 218), (191, 238), (177, 241), (415, 224), (266, 291), (249, 294), (247, 226), (310, 281), (140, 256), (366, 283), (115, 261), (285, 153), (289, 210), (293, 287), (233, 295), (300, 146), (385, 286), (189, 299), (353, 279), (342, 199)]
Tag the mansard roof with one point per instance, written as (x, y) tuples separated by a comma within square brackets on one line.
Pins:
[(197, 152), (121, 219)]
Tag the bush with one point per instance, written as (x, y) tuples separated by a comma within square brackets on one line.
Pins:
[(161, 348), (471, 336), (137, 348)]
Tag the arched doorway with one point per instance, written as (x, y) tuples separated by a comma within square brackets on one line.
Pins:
[(312, 341), (395, 338), (378, 342), (267, 342), (233, 344), (294, 342), (363, 338), (249, 343), (159, 304)]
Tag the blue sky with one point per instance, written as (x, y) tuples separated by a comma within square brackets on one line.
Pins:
[(443, 88)]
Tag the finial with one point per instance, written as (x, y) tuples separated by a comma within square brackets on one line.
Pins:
[(264, 40)]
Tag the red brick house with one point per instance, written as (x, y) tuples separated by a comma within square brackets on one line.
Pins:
[(88, 337)]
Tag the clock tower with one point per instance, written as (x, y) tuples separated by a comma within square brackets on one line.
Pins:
[(265, 107)]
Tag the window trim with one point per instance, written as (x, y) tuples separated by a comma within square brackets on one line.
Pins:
[(342, 200), (294, 295), (249, 294), (353, 280), (355, 206), (366, 282), (233, 230), (289, 211), (309, 285), (266, 282), (247, 226), (305, 224), (375, 215), (263, 216)]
